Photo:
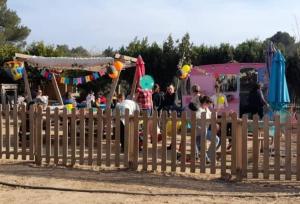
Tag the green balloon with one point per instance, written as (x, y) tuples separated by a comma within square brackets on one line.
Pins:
[(146, 82)]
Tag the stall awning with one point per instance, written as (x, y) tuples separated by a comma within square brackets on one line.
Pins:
[(69, 63)]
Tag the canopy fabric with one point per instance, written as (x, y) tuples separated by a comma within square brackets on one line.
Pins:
[(70, 63), (278, 90)]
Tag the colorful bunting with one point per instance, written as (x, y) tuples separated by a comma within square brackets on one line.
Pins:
[(75, 81)]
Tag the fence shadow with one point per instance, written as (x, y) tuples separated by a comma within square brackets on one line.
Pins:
[(23, 171)]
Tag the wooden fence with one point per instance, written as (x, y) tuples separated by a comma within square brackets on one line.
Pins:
[(260, 149)]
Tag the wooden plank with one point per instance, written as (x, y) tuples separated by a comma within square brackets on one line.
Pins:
[(27, 87), (16, 131), (193, 141), (126, 58), (108, 136), (73, 137), (145, 142), (112, 90), (32, 132), (56, 135), (126, 139), (48, 135), (266, 160), (183, 142), (255, 146), (136, 140), (100, 136), (65, 136), (24, 127), (239, 151), (56, 89), (39, 128), (213, 142), (203, 143), (223, 144), (173, 142), (233, 147), (91, 136), (7, 130), (1, 132), (277, 147), (164, 141), (117, 138), (82, 137), (244, 145), (154, 140), (298, 149), (288, 151)]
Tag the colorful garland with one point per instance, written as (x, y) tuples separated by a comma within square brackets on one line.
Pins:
[(75, 81)]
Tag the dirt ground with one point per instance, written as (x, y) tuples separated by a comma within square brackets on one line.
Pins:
[(198, 188)]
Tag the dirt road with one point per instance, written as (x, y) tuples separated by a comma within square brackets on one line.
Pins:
[(209, 188)]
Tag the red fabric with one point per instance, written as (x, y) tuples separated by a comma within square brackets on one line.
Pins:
[(144, 99), (140, 70)]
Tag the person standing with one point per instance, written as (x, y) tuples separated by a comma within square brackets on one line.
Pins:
[(90, 100), (157, 98), (219, 99), (257, 101), (122, 105), (144, 99)]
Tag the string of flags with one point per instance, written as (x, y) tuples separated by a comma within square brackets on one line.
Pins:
[(75, 81)]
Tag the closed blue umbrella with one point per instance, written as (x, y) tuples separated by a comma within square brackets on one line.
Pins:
[(278, 90)]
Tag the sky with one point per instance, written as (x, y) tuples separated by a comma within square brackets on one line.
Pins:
[(97, 24)]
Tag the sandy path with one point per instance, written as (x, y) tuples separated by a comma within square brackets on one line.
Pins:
[(120, 180)]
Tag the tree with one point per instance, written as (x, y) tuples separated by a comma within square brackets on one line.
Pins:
[(185, 49), (10, 29), (250, 51)]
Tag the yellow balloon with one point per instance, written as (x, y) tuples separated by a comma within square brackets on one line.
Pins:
[(69, 107), (221, 100), (169, 127), (184, 75), (186, 68)]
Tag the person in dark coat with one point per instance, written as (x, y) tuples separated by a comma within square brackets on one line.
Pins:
[(257, 101)]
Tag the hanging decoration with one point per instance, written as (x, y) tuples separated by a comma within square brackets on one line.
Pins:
[(118, 65), (184, 71), (14, 69), (75, 81), (146, 82)]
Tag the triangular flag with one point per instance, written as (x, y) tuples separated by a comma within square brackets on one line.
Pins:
[(87, 78), (67, 80), (96, 75), (75, 81), (62, 80)]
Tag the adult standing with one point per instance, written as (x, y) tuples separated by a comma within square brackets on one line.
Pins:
[(157, 98), (257, 101), (144, 99), (122, 105)]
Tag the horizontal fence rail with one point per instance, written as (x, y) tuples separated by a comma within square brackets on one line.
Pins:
[(223, 144)]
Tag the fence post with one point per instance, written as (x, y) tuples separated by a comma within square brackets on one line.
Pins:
[(255, 146), (117, 138), (82, 136), (108, 136), (145, 142), (288, 153), (16, 130), (213, 142), (136, 140), (154, 140), (24, 130), (1, 132), (244, 146), (32, 132), (100, 137), (234, 143), (48, 135), (298, 149), (56, 135), (193, 141), (7, 130), (91, 137), (266, 147), (65, 136), (39, 128), (277, 147), (73, 137), (173, 142), (183, 142), (164, 142), (203, 143), (126, 138), (223, 144)]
